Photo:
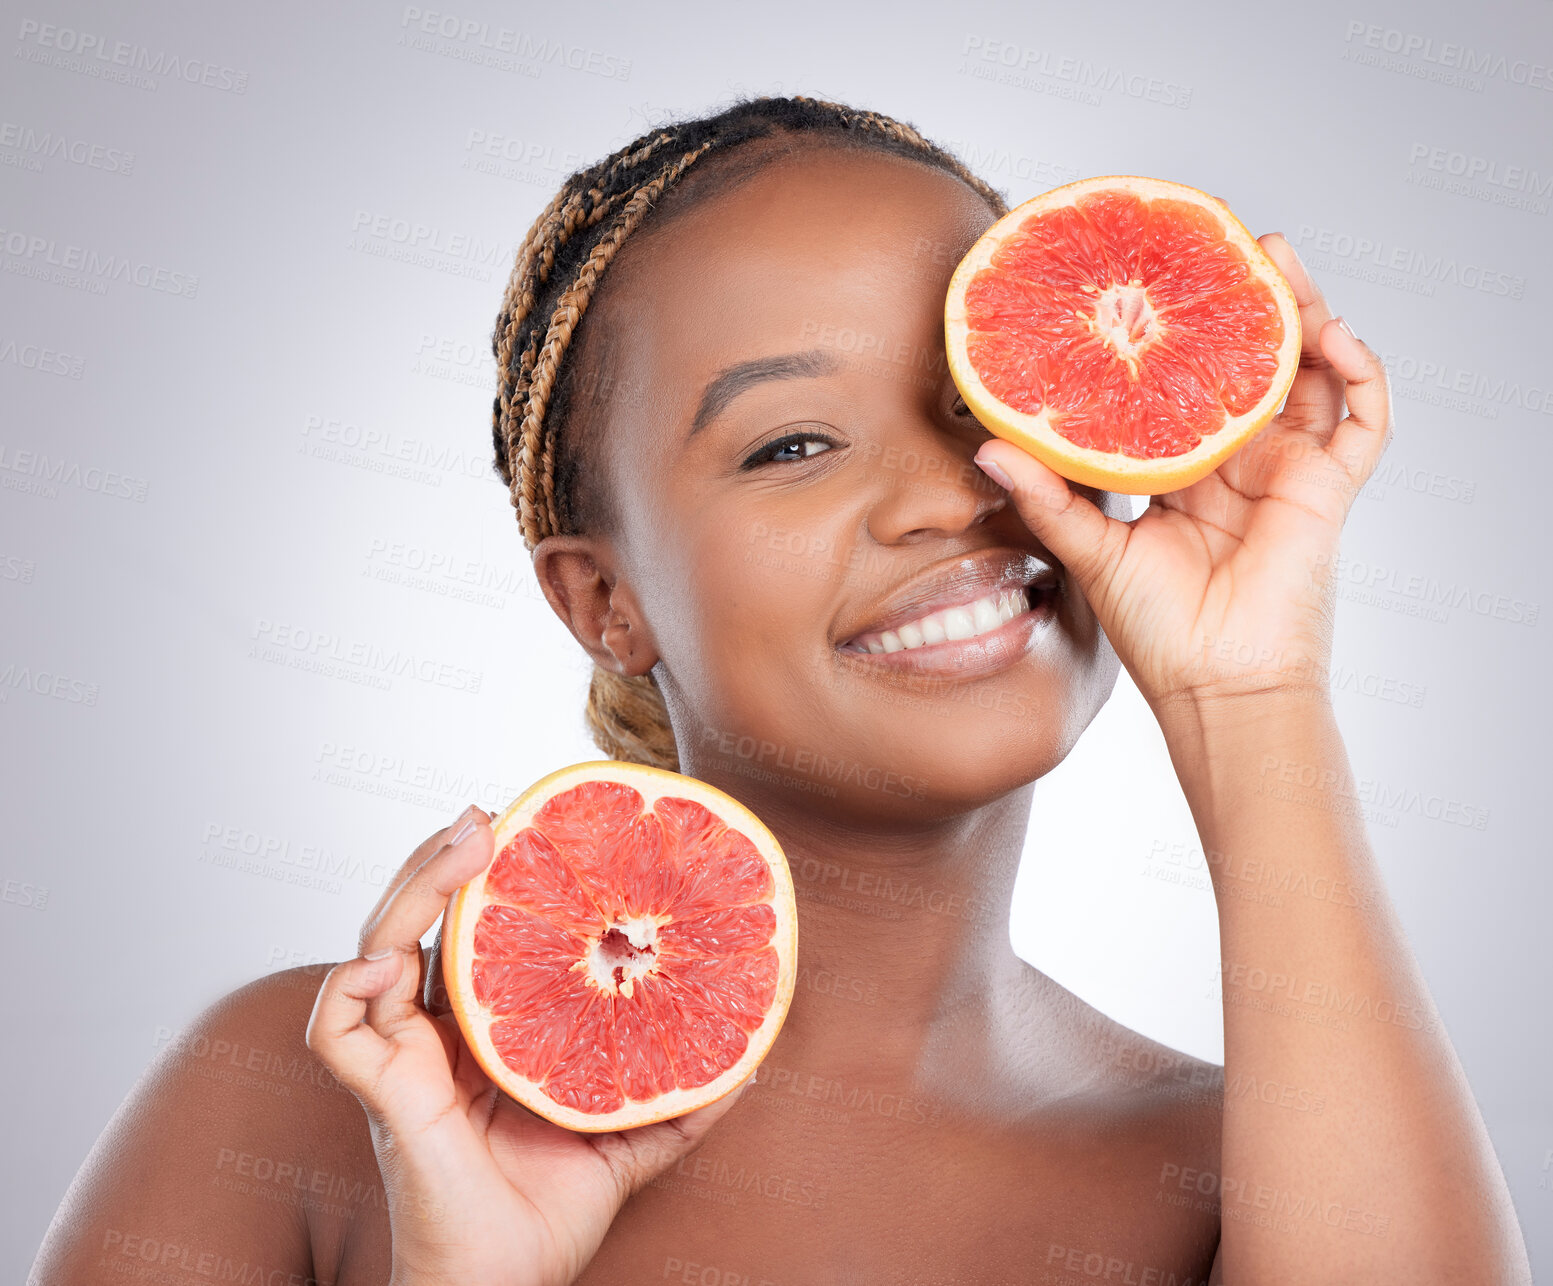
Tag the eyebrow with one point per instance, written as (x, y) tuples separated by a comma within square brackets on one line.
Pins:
[(727, 384)]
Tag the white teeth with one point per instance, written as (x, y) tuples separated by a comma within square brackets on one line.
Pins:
[(959, 623), (963, 622)]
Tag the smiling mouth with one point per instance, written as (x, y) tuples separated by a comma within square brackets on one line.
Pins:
[(985, 615)]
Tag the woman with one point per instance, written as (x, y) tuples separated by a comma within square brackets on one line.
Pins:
[(720, 508)]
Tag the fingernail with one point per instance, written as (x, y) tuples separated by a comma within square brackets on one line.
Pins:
[(382, 953), (1343, 326), (995, 471), (463, 832)]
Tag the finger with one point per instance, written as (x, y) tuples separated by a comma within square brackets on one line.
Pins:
[(1085, 541), (411, 864), (469, 1078), (434, 992), (372, 936), (336, 1030), (638, 1155), (1315, 399), (1366, 431), (414, 907)]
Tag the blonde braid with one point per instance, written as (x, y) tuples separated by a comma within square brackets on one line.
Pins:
[(536, 491)]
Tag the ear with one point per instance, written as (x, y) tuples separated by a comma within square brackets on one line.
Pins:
[(582, 584)]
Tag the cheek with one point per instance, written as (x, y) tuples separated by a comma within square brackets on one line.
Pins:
[(1089, 667), (1090, 683), (780, 584), (752, 602)]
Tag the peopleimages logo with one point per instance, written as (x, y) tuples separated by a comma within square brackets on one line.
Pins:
[(46, 361), (1450, 55), (32, 255), (61, 147), (1460, 389), (1017, 63), (93, 54), (1481, 169), (358, 659), (813, 764), (41, 474), (1373, 258), (483, 43), (1364, 581), (1312, 783), (1489, 179)]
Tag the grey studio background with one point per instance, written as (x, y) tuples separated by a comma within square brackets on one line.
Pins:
[(249, 262)]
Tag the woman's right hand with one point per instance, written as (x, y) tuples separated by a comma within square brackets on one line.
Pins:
[(478, 1188)]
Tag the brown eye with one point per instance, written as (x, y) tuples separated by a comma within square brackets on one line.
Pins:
[(768, 453)]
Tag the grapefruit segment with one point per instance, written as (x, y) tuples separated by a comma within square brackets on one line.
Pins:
[(506, 933), (1129, 332), (533, 1042), (629, 954), (529, 873), (719, 933), (738, 988), (1028, 305), (506, 987), (583, 826), (585, 1079)]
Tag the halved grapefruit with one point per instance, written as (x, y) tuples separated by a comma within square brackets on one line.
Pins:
[(1128, 332), (630, 952)]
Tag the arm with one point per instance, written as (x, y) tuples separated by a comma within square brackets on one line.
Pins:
[(1219, 599), (161, 1188), (1396, 1178)]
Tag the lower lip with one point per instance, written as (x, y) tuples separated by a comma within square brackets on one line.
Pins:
[(971, 658)]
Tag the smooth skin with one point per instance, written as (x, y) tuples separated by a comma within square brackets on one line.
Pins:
[(934, 1110)]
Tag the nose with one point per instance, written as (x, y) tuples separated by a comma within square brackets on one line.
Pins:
[(928, 484)]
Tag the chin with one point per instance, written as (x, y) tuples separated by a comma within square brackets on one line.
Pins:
[(937, 756)]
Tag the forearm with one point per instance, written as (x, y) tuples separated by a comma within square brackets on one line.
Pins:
[(1394, 1177)]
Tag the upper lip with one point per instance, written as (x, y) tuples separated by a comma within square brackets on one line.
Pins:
[(956, 582)]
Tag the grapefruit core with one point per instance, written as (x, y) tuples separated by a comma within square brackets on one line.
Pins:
[(630, 952), (1128, 332)]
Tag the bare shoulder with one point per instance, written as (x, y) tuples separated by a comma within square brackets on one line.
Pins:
[(1168, 1103), (1095, 1135), (1134, 1064), (212, 1164)]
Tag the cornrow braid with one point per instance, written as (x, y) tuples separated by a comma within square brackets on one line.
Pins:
[(555, 275)]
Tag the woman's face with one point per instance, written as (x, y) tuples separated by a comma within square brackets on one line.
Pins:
[(792, 468)]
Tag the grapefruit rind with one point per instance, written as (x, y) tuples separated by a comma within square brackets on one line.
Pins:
[(463, 913), (1112, 471)]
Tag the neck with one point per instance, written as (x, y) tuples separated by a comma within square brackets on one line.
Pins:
[(903, 943)]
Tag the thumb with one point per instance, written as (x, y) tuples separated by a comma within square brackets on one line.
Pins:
[(1085, 541), (645, 1152)]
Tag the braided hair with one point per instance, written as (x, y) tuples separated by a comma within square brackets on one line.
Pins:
[(556, 274)]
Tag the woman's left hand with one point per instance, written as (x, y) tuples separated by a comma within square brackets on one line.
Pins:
[(1226, 587)]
